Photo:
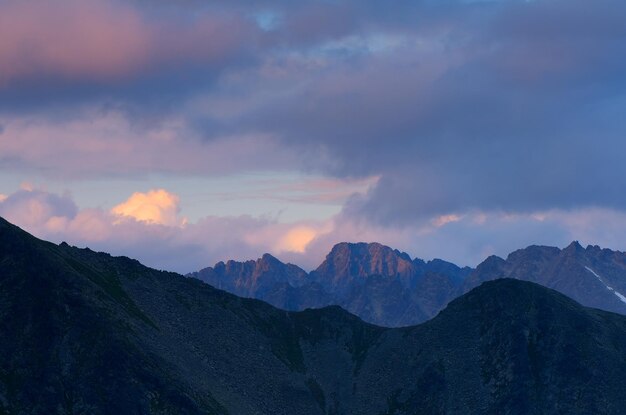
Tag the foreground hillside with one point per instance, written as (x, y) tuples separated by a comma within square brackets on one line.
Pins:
[(83, 332)]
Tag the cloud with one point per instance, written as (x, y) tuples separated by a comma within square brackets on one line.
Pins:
[(296, 239), (68, 53), (73, 147), (467, 240), (506, 107), (147, 226), (301, 190), (466, 113), (155, 206), (70, 39), (445, 219), (94, 40), (38, 209), (475, 235)]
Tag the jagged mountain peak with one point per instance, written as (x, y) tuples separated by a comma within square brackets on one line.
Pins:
[(382, 285), (490, 263), (574, 248), (253, 278), (440, 266), (533, 251), (357, 260), (365, 249), (593, 276), (269, 258), (264, 261)]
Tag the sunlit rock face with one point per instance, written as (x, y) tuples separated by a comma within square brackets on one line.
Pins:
[(347, 264)]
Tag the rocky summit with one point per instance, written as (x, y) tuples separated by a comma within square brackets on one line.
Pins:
[(84, 332)]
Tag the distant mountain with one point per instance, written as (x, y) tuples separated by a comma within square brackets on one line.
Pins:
[(379, 284), (254, 278), (348, 264), (386, 287), (593, 276), (267, 279), (84, 332)]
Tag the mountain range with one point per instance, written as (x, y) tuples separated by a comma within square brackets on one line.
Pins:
[(384, 286), (85, 332)]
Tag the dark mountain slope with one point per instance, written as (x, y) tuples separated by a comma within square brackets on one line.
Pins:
[(66, 336), (83, 332)]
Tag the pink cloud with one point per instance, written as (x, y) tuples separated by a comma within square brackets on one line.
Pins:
[(151, 230), (70, 38), (155, 206), (99, 40), (308, 190), (73, 147), (38, 209)]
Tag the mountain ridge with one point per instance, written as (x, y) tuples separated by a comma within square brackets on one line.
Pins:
[(386, 287), (85, 332), (368, 279)]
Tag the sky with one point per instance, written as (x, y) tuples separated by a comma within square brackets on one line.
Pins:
[(186, 132)]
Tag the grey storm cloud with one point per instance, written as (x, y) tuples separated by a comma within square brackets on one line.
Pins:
[(519, 108)]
